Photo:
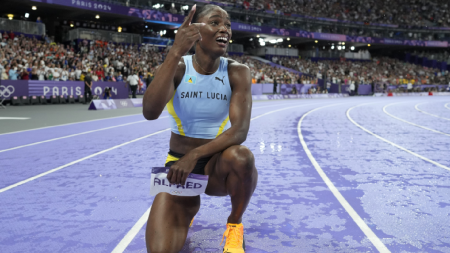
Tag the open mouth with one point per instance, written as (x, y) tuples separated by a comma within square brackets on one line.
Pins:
[(222, 41)]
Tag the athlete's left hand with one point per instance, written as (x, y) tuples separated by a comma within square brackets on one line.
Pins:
[(180, 170)]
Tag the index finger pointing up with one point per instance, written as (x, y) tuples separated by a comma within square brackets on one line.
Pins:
[(188, 19)]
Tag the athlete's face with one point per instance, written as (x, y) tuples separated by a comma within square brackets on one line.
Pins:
[(216, 33)]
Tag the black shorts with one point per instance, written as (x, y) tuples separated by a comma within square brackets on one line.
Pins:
[(199, 168)]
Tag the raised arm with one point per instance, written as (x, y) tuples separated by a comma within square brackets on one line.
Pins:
[(162, 87)]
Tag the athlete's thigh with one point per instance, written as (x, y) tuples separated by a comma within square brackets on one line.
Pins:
[(168, 222)]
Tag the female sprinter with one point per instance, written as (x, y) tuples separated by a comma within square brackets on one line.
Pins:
[(209, 100)]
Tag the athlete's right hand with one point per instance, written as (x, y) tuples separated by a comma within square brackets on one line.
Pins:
[(187, 34)]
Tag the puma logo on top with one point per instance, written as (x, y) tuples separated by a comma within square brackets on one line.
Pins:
[(221, 79)]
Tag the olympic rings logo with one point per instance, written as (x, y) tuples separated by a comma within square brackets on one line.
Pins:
[(6, 91), (176, 192), (123, 103)]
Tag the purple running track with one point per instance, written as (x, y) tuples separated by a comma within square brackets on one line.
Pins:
[(91, 205)]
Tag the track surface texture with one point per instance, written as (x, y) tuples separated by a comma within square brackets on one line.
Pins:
[(335, 175)]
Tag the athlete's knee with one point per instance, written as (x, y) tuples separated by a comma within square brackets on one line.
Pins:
[(240, 159)]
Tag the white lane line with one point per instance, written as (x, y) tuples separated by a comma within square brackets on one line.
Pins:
[(77, 161), (123, 244), (69, 124), (84, 122), (429, 129), (13, 118), (393, 144), (447, 106), (417, 108), (353, 214), (106, 150), (72, 135), (92, 131)]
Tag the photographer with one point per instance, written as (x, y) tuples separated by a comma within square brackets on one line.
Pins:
[(107, 93)]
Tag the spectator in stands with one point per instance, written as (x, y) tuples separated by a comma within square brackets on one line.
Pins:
[(13, 72), (34, 74), (148, 79), (64, 74), (100, 73), (11, 35), (173, 10), (56, 73), (4, 75), (24, 75), (71, 74), (49, 75), (109, 78), (119, 77), (77, 73)]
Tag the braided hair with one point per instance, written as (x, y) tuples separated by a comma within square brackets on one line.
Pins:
[(202, 11)]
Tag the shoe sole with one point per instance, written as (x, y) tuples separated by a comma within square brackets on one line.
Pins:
[(243, 244)]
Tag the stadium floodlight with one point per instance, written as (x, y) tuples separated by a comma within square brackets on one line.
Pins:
[(280, 40), (175, 31), (261, 39), (352, 48), (71, 25), (97, 16), (339, 47), (33, 8), (27, 15), (316, 41), (251, 39), (10, 16), (156, 6), (343, 47), (273, 41), (332, 47), (231, 41), (146, 26), (289, 46), (368, 45), (164, 32), (288, 39), (186, 7), (257, 35), (262, 43), (119, 29)]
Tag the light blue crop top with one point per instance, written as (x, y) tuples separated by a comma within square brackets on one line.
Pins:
[(201, 103)]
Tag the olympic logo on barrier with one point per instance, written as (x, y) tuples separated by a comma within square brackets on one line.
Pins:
[(176, 192), (123, 103), (6, 91)]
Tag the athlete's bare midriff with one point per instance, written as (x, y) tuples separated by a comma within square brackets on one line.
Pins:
[(183, 144)]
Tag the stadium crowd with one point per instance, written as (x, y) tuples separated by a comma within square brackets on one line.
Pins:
[(418, 13), (31, 59), (382, 70), (265, 73)]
